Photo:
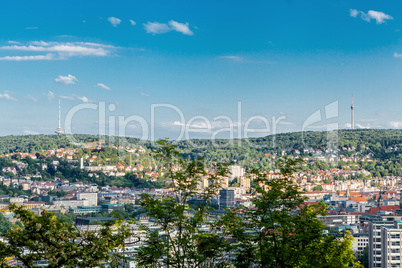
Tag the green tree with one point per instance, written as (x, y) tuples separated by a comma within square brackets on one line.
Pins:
[(5, 225), (364, 258), (317, 188), (47, 237), (280, 231), (184, 238)]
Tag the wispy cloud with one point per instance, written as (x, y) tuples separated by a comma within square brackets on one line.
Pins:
[(48, 56), (160, 28), (144, 94), (103, 86), (66, 97), (57, 50), (14, 42), (7, 96), (243, 60), (31, 98), (31, 28), (75, 97), (378, 16), (29, 132), (156, 27), (357, 125), (395, 124), (234, 58), (180, 27), (133, 23), (396, 55), (83, 98), (114, 21), (49, 95), (66, 80)]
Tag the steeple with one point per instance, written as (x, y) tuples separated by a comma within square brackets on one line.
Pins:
[(352, 126), (59, 131)]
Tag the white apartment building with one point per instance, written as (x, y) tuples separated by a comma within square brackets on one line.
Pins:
[(391, 250), (360, 243), (385, 240), (92, 198), (235, 172)]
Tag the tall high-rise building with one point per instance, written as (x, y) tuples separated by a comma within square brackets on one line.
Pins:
[(59, 131), (227, 198), (385, 242)]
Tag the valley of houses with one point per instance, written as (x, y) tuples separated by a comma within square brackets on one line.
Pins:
[(370, 209)]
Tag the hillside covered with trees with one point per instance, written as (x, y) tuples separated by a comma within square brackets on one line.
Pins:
[(377, 140)]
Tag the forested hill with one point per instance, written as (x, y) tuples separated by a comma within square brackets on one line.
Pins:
[(376, 140)]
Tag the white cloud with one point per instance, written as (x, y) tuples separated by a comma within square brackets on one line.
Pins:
[(58, 50), (48, 56), (363, 126), (133, 23), (66, 80), (83, 98), (29, 97), (156, 27), (6, 96), (14, 42), (180, 27), (144, 94), (353, 13), (396, 55), (49, 95), (243, 60), (160, 28), (234, 58), (103, 86), (395, 124), (378, 16), (75, 97), (66, 97), (114, 21), (357, 125), (29, 132)]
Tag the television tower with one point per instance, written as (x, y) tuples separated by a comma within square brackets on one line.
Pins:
[(352, 126), (59, 131)]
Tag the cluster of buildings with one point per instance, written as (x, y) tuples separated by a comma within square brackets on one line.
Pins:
[(373, 218), (371, 209)]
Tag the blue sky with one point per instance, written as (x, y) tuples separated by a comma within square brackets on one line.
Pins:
[(201, 60)]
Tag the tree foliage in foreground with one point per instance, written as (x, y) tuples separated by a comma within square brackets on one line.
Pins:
[(185, 238), (280, 231), (48, 238), (277, 231)]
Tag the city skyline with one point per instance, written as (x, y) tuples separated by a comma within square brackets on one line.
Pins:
[(202, 60)]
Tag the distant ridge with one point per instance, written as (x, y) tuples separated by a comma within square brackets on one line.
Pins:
[(373, 139)]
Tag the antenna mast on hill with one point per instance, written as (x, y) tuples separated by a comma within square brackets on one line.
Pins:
[(59, 131), (352, 126)]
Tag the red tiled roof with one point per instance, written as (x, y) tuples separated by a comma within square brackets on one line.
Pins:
[(358, 199)]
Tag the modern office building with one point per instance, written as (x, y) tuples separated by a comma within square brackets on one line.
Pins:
[(226, 199)]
